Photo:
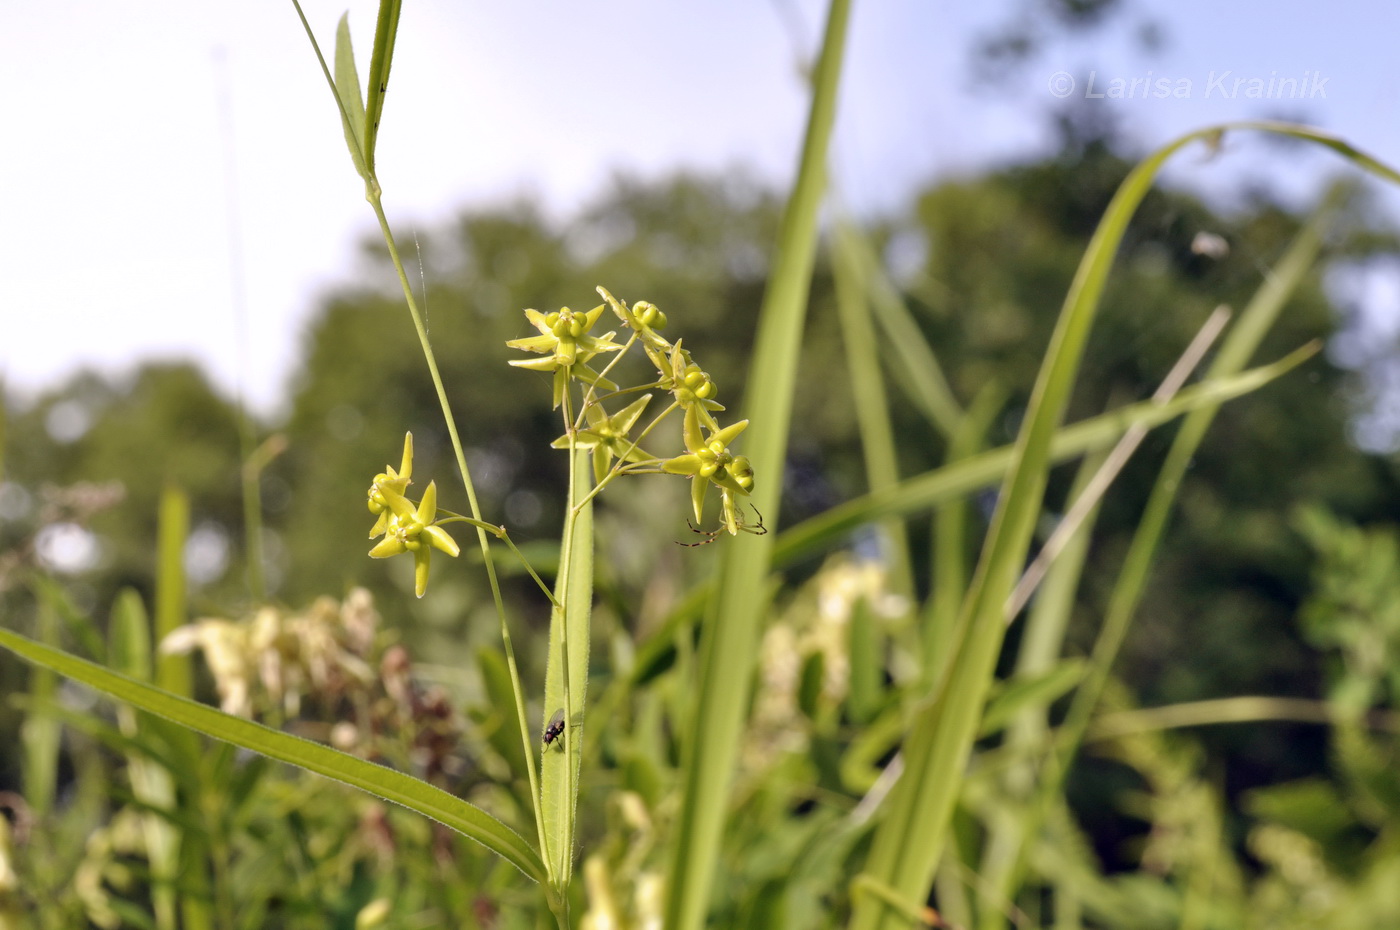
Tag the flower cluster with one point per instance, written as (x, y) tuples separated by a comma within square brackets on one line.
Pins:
[(404, 526), (706, 461), (268, 661)]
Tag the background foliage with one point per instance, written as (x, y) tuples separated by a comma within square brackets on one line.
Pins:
[(1278, 576)]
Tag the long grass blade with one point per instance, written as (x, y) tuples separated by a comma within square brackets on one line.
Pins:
[(871, 403), (465, 818), (1241, 343), (131, 654), (909, 842), (910, 355), (731, 629)]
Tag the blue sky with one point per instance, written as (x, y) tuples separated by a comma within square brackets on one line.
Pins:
[(158, 153)]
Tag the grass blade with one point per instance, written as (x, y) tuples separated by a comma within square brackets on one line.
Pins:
[(910, 354), (173, 672), (151, 783), (868, 391), (453, 812), (910, 841), (39, 734), (731, 629), (1236, 349)]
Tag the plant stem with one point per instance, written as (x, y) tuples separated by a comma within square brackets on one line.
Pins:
[(372, 193)]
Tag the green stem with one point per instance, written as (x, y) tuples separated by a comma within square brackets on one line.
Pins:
[(372, 193), (590, 397), (622, 460), (252, 508), (503, 534)]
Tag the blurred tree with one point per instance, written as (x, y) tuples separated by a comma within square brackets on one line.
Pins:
[(164, 424)]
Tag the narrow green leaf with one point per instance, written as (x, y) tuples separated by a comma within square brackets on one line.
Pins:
[(944, 729), (151, 783), (386, 30), (388, 784), (130, 636), (728, 643), (950, 535), (1042, 643), (867, 664), (569, 637), (174, 673), (1029, 691), (868, 391), (729, 638), (347, 101), (911, 358), (39, 734), (1235, 351), (347, 92)]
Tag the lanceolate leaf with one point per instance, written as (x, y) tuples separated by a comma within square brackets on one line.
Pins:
[(381, 58), (465, 818)]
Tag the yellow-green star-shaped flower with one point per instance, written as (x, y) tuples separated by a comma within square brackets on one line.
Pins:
[(388, 479), (645, 319), (692, 387), (708, 462), (412, 529), (565, 341), (606, 435)]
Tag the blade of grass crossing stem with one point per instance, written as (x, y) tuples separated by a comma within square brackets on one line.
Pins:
[(410, 792), (730, 632), (952, 483), (131, 654), (868, 391), (923, 492), (1235, 350), (568, 648), (910, 840)]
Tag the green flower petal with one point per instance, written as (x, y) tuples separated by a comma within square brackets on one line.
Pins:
[(591, 317), (727, 435), (440, 540), (422, 557), (698, 489), (427, 507), (534, 343), (388, 547), (406, 467), (536, 364), (683, 465)]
